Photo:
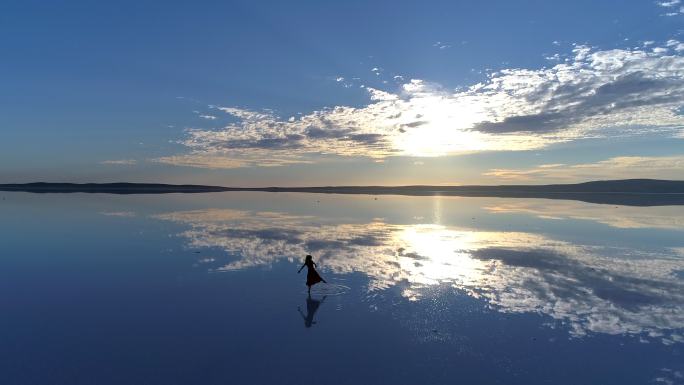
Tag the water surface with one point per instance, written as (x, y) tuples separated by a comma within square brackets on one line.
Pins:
[(203, 289)]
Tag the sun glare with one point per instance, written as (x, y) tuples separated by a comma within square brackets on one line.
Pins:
[(443, 130)]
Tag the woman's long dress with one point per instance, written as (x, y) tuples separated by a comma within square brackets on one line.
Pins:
[(312, 276)]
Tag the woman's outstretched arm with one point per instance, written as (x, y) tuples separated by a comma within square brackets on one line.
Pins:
[(300, 269)]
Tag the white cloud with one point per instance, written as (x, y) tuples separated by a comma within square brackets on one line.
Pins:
[(123, 214), (376, 94), (671, 5), (120, 162), (208, 117), (676, 45), (668, 167), (668, 4), (618, 92)]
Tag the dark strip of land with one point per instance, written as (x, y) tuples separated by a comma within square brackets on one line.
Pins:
[(638, 192), (109, 188)]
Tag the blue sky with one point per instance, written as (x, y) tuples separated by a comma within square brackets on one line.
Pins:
[(354, 92)]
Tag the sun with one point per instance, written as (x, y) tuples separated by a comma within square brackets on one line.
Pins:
[(444, 129)]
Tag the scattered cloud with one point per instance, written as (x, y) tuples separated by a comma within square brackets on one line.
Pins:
[(593, 93), (208, 117), (676, 45), (668, 4), (673, 7), (441, 45), (668, 167), (120, 162), (597, 90)]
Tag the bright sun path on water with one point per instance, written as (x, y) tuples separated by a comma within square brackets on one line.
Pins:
[(446, 255)]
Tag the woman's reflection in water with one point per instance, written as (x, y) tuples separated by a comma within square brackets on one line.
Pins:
[(311, 307)]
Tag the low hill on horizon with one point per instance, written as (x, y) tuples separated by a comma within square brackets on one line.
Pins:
[(640, 192)]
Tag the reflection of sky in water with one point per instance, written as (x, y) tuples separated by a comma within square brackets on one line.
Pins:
[(610, 288), (180, 289), (627, 217)]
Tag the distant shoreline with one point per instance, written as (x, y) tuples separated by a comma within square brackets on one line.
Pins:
[(639, 192)]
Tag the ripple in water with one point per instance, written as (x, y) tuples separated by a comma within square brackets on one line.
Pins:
[(329, 289)]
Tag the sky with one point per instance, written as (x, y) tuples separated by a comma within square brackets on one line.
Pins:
[(306, 93)]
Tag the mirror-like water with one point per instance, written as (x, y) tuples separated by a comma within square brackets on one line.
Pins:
[(203, 289)]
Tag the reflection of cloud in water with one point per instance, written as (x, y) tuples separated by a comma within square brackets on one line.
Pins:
[(596, 289), (660, 217)]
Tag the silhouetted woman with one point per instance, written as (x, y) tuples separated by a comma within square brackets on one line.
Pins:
[(312, 276)]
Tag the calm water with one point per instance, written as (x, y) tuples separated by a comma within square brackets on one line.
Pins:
[(203, 289)]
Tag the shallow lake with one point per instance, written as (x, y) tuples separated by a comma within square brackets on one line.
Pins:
[(203, 289)]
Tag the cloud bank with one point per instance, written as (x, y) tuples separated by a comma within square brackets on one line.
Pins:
[(590, 93)]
